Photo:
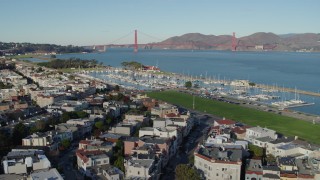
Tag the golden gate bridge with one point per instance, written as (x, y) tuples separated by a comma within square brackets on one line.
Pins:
[(233, 45)]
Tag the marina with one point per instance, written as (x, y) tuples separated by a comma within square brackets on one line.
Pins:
[(274, 73), (205, 87)]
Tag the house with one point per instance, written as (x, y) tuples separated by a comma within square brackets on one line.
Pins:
[(68, 106), (46, 174), (218, 163), (225, 123), (271, 173), (271, 146), (142, 169), (67, 131), (4, 106), (45, 100), (254, 169), (110, 137), (160, 145), (262, 141), (123, 129), (164, 109), (94, 144), (240, 131), (107, 172), (258, 132), (88, 159), (23, 161), (47, 139), (84, 125)]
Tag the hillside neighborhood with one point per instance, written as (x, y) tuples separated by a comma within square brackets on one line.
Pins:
[(57, 125)]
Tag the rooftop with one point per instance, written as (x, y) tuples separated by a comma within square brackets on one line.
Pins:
[(46, 174), (254, 165), (221, 153)]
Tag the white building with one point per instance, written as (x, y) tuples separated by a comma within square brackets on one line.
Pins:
[(41, 139), (141, 169), (218, 163), (68, 106), (22, 161), (88, 159), (46, 174), (258, 132)]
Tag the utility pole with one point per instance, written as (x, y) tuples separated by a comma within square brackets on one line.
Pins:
[(193, 104)]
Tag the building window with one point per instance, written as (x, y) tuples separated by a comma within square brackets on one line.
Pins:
[(138, 172), (217, 174)]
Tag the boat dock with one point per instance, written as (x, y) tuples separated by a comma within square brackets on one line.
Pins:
[(288, 90)]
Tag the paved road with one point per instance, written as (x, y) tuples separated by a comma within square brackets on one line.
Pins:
[(189, 145), (68, 170)]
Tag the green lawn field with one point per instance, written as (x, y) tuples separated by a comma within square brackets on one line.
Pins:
[(282, 124)]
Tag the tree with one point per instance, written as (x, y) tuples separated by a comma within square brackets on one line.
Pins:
[(19, 131), (252, 84), (81, 114), (191, 159), (255, 151), (116, 87), (99, 125), (184, 172), (65, 143), (270, 159), (119, 163), (65, 116), (188, 84)]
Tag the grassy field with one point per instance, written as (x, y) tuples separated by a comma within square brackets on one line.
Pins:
[(282, 124)]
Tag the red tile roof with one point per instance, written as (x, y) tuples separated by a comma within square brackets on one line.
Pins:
[(239, 130), (225, 122)]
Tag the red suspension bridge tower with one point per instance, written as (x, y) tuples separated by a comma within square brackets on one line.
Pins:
[(234, 42), (135, 41)]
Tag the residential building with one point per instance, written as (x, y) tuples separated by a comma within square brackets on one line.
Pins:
[(23, 161), (225, 123), (258, 132), (272, 145), (88, 159), (123, 129), (254, 169), (164, 109), (218, 163), (84, 125), (67, 105), (45, 100), (107, 172), (271, 173), (146, 169), (46, 174), (94, 144), (42, 139)]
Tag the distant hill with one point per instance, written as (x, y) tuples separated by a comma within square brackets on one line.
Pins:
[(256, 42)]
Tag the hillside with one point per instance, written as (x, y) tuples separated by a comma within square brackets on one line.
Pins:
[(256, 42)]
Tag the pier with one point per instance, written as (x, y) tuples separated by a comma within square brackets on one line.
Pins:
[(262, 86)]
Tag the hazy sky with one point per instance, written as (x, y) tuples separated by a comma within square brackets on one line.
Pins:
[(88, 22)]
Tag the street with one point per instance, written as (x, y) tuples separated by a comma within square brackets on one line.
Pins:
[(189, 144), (66, 162)]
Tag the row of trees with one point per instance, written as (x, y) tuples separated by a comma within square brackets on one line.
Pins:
[(70, 63), (22, 48), (5, 86), (132, 65)]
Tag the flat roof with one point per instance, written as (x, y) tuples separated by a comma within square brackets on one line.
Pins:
[(46, 174)]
